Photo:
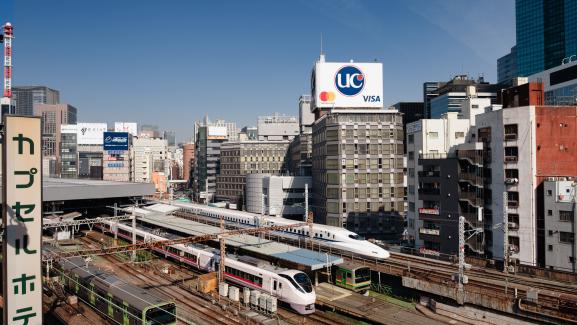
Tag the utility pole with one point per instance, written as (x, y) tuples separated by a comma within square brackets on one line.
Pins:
[(505, 235), (310, 224), (133, 234), (306, 200), (461, 252), (222, 252)]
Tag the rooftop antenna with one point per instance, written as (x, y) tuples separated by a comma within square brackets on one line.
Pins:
[(322, 56)]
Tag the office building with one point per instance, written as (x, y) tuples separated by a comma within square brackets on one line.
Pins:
[(68, 151), (430, 91), (149, 131), (450, 95), (238, 159), (248, 133), (209, 137), (7, 106), (53, 116), (441, 166), (357, 171), (546, 34), (306, 117), (277, 127), (116, 160), (273, 195), (187, 162), (559, 84), (559, 220), (170, 137), (300, 152), (507, 67), (148, 155), (90, 139), (412, 111), (27, 97)]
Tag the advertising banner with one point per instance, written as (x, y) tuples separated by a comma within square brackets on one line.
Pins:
[(115, 140), (22, 220)]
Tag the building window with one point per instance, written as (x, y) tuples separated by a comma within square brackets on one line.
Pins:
[(411, 138), (433, 135), (459, 135), (411, 155), (565, 215), (549, 193), (550, 247), (549, 212), (566, 237), (510, 131)]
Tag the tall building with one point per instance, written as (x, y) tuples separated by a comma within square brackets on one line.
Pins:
[(449, 96), (559, 220), (68, 151), (559, 84), (430, 91), (412, 111), (357, 171), (209, 137), (441, 168), (27, 97), (300, 152), (149, 131), (507, 67), (149, 155), (238, 159), (116, 160), (90, 139), (170, 137), (277, 127), (53, 117), (274, 195), (187, 162), (306, 117), (546, 34)]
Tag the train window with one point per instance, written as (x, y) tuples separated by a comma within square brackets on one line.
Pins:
[(274, 285), (321, 235)]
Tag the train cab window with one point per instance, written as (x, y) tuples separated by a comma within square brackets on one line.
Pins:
[(356, 237)]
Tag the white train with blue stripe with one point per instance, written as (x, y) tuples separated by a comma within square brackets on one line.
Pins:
[(334, 237)]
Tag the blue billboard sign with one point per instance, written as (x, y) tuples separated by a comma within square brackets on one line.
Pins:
[(115, 141)]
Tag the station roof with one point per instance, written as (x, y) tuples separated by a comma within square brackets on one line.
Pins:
[(310, 259), (66, 189)]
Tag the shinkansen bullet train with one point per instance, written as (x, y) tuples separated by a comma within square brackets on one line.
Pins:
[(289, 286), (329, 236)]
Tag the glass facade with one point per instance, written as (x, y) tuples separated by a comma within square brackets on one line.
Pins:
[(546, 34)]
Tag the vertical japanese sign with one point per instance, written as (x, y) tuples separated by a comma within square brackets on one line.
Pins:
[(22, 220)]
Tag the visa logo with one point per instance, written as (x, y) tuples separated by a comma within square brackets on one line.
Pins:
[(372, 99)]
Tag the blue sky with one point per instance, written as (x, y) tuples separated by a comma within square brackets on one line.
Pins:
[(171, 62)]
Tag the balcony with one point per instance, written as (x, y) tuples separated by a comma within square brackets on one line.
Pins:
[(429, 173), (472, 156), (432, 211), (434, 155), (511, 159), (427, 231), (512, 204), (471, 197), (511, 137), (471, 177)]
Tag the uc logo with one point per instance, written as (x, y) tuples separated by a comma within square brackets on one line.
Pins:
[(349, 80)]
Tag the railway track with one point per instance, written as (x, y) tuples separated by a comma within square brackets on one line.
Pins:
[(197, 311)]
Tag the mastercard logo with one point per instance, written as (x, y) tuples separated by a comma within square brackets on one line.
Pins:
[(327, 96)]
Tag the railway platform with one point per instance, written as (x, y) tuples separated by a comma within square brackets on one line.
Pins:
[(365, 308)]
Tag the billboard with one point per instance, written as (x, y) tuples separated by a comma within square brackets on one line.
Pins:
[(130, 127), (68, 128), (22, 220), (91, 133), (115, 140), (348, 85), (217, 133)]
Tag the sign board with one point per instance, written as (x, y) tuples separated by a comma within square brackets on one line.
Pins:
[(115, 140), (217, 133), (22, 220), (130, 127), (348, 85), (68, 128), (91, 133)]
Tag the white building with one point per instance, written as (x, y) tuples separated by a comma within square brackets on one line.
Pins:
[(277, 127), (281, 195), (148, 155)]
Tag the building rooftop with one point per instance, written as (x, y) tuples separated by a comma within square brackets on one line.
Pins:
[(66, 189)]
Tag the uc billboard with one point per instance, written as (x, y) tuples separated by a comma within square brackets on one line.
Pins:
[(115, 140), (348, 85)]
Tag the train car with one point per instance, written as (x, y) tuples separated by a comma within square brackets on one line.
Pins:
[(122, 302), (334, 237), (291, 287), (355, 278)]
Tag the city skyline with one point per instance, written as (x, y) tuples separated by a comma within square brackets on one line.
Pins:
[(137, 66)]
